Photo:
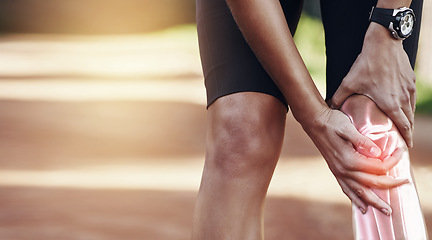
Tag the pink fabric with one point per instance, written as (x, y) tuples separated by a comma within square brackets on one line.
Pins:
[(406, 221)]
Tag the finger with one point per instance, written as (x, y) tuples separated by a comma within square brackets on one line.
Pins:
[(374, 165), (369, 197), (341, 94), (409, 113), (355, 161), (413, 93), (403, 124), (413, 105), (352, 196), (377, 181), (413, 100), (361, 143), (391, 161)]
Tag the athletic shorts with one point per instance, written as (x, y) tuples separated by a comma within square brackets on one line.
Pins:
[(230, 66)]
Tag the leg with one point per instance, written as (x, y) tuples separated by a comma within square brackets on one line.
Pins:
[(244, 140), (406, 221)]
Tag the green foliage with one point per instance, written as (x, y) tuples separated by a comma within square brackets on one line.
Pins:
[(424, 98), (310, 41)]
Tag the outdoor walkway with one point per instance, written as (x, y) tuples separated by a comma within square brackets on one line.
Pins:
[(103, 138)]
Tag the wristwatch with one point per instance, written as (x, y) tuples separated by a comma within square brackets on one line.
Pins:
[(399, 21)]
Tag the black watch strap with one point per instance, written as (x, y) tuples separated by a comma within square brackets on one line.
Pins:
[(382, 16)]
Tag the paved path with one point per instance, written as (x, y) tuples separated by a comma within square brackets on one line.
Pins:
[(94, 148)]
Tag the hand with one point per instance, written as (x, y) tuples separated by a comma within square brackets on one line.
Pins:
[(355, 170), (383, 72)]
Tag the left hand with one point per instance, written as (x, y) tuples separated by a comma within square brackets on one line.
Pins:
[(383, 72), (352, 159)]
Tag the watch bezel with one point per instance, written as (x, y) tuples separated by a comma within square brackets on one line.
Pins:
[(395, 26)]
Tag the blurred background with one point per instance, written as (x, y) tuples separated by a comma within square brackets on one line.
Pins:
[(102, 126)]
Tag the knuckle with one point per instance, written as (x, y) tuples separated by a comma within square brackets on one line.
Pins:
[(361, 142), (373, 183), (390, 107), (406, 128), (340, 131), (412, 86), (349, 166), (345, 191), (413, 76), (374, 203), (405, 98), (346, 165), (376, 184), (350, 87), (393, 107), (383, 169), (341, 170), (360, 192)]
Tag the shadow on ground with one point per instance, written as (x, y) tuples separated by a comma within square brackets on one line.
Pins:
[(45, 213)]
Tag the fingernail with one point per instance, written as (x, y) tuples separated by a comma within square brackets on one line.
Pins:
[(376, 152), (362, 210), (403, 181), (386, 211)]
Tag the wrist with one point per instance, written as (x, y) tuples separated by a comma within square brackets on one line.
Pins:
[(393, 3), (311, 120), (378, 34), (399, 22)]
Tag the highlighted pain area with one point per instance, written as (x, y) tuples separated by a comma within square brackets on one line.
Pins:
[(406, 220)]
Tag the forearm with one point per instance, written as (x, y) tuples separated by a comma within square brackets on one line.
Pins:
[(393, 3), (263, 25), (383, 72)]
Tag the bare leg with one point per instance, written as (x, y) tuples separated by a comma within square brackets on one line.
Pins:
[(406, 221), (244, 139)]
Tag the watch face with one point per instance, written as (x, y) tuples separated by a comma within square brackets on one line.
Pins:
[(406, 24)]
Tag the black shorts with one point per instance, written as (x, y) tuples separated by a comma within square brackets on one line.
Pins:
[(230, 66)]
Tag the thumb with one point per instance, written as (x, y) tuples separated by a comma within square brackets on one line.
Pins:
[(341, 94), (367, 147), (361, 143)]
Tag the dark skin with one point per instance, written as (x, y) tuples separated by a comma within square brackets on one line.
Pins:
[(264, 27), (245, 130), (383, 73)]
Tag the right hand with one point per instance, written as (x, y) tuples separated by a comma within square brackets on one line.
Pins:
[(353, 159), (383, 72)]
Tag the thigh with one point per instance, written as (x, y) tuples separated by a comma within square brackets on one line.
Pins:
[(229, 64), (345, 24)]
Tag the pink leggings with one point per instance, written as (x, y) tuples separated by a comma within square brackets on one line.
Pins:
[(406, 221)]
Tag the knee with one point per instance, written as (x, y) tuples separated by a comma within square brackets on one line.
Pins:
[(239, 146)]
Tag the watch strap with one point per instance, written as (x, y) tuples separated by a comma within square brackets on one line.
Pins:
[(382, 16)]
